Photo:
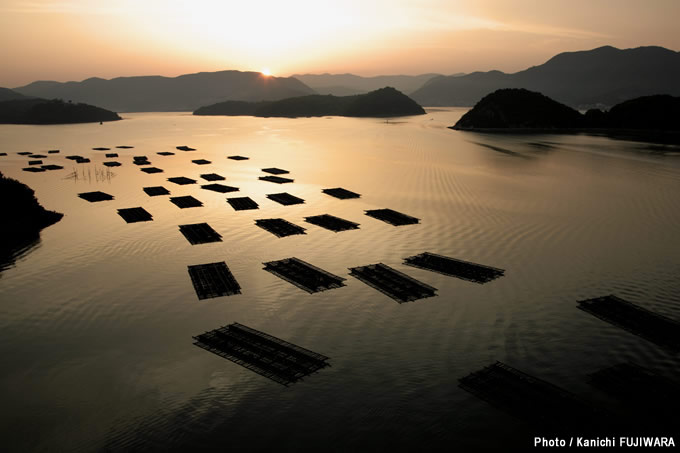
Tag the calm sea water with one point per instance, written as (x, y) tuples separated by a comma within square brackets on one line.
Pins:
[(96, 321)]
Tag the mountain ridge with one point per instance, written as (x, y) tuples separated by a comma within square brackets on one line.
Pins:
[(603, 76), (185, 92)]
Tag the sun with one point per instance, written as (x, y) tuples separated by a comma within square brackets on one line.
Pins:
[(266, 72)]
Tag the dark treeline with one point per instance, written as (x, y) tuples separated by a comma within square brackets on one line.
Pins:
[(385, 102), (55, 111), (517, 108)]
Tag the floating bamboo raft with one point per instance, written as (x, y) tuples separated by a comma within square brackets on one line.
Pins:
[(124, 147), (238, 157), (111, 155), (213, 280), (341, 193), (34, 169), (637, 385), (332, 223), (53, 151), (185, 148), (221, 188), (165, 153), (212, 177), (35, 162), (392, 217), (133, 215), (275, 179), (200, 233), (529, 398), (186, 202), (26, 153), (156, 191), (266, 355), (151, 170), (651, 326), (393, 283), (280, 227), (452, 267), (101, 149), (52, 167), (181, 180), (242, 203), (275, 171), (93, 197), (303, 275), (285, 198), (201, 162), (111, 164)]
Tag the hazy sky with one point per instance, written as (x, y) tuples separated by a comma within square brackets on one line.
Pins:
[(77, 39)]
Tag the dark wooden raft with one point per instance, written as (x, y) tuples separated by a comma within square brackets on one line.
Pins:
[(213, 280), (280, 227), (332, 223), (393, 283), (200, 233), (271, 357), (392, 217), (303, 275), (452, 267), (651, 326)]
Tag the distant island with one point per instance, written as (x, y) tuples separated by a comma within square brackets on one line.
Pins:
[(23, 218), (601, 78), (55, 111), (385, 102), (523, 110)]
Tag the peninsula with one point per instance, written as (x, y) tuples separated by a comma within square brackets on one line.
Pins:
[(55, 111), (385, 102)]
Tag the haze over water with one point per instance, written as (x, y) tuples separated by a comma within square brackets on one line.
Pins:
[(97, 320)]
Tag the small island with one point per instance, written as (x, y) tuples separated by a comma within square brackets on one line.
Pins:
[(55, 111), (382, 103), (520, 110), (23, 218)]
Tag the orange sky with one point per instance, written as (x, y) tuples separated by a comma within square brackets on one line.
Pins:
[(77, 39)]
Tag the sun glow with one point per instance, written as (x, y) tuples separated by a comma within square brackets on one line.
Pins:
[(266, 72)]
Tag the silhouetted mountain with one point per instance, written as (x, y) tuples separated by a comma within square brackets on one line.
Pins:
[(8, 95), (23, 218), (660, 112), (385, 102), (517, 108), (163, 94), (56, 111), (349, 84), (603, 76)]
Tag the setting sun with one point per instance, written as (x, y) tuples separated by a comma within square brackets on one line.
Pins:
[(266, 72)]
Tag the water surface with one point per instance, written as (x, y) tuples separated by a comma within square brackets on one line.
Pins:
[(96, 321)]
